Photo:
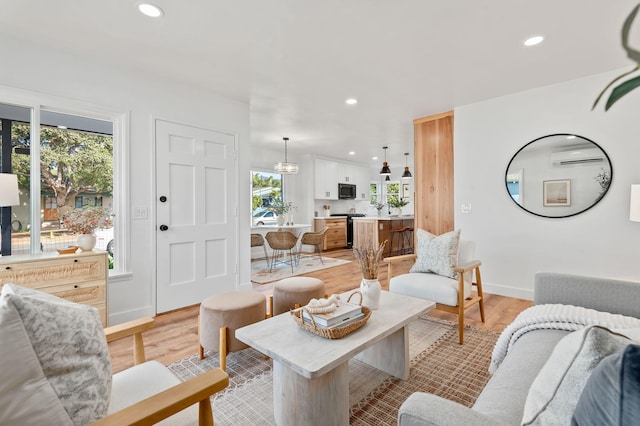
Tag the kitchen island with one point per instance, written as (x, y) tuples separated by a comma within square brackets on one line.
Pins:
[(376, 229)]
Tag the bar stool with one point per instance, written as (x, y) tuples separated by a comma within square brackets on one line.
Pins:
[(400, 237), (407, 240)]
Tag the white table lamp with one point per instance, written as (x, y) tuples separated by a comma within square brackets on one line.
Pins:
[(634, 204), (9, 195)]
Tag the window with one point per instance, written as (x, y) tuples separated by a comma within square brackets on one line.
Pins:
[(373, 190), (393, 192), (75, 170), (265, 187)]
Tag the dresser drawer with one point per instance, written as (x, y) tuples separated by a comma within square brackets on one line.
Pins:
[(79, 278), (89, 293), (43, 274)]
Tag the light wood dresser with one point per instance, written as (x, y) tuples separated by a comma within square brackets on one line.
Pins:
[(79, 277), (336, 236)]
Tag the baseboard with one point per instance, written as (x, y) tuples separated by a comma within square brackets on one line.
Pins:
[(501, 290), (120, 317)]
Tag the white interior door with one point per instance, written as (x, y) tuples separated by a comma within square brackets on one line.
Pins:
[(196, 214)]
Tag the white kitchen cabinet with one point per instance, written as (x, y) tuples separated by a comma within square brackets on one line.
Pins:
[(326, 179), (347, 173), (362, 181)]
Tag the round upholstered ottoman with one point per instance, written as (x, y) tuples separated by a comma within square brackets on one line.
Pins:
[(289, 292), (230, 310)]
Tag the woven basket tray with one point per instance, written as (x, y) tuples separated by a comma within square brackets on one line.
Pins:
[(335, 332)]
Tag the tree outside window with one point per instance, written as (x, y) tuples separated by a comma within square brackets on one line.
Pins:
[(265, 188), (393, 193)]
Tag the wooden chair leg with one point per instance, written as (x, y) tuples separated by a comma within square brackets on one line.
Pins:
[(270, 313), (223, 348), (480, 295), (205, 414), (461, 307), (461, 323)]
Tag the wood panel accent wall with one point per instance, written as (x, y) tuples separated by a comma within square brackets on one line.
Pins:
[(433, 177)]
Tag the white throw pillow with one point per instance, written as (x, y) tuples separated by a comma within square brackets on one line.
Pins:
[(62, 353), (556, 389), (437, 254)]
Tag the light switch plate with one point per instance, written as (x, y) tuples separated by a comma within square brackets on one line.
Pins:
[(465, 209), (140, 212)]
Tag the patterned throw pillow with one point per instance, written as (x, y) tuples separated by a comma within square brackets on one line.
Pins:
[(69, 344), (437, 254), (554, 393)]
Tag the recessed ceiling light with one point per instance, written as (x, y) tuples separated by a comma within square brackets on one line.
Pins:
[(60, 126), (150, 10), (351, 101), (374, 158), (532, 41), (352, 153), (571, 137)]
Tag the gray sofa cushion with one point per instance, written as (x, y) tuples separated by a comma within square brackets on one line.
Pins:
[(504, 396)]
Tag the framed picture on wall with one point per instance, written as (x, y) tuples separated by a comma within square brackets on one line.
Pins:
[(405, 191), (556, 193)]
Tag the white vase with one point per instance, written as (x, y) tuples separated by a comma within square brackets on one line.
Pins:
[(370, 290), (280, 220), (327, 213), (398, 211), (86, 242)]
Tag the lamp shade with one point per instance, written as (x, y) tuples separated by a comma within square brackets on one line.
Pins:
[(285, 167), (407, 173), (9, 195), (634, 204)]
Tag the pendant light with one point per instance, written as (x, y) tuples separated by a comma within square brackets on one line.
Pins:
[(407, 173), (385, 166), (285, 168)]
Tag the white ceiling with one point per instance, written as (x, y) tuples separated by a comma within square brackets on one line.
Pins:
[(296, 61)]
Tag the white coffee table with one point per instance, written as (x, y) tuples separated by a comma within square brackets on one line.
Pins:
[(310, 373)]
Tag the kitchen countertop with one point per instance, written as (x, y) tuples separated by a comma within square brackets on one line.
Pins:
[(406, 216)]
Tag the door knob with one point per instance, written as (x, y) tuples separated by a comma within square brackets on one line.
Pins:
[(163, 227), (163, 199)]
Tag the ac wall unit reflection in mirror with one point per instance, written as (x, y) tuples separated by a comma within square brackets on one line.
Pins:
[(577, 155), (562, 157)]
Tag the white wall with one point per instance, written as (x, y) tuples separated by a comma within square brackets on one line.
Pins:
[(512, 244), (53, 75)]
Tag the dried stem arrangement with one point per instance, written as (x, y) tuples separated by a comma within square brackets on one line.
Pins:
[(368, 258)]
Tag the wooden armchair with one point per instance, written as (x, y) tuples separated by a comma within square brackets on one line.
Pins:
[(174, 396), (450, 294), (60, 373)]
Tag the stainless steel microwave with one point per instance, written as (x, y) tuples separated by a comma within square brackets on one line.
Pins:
[(346, 191)]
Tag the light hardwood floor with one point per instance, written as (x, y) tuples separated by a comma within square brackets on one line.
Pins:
[(175, 335)]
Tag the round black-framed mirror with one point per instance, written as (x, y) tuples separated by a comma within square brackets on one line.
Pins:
[(558, 175)]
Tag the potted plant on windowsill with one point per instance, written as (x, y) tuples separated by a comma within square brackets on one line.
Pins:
[(84, 222)]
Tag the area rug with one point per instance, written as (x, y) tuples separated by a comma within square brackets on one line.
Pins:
[(260, 270), (439, 365)]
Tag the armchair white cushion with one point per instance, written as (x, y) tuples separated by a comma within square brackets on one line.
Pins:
[(450, 294)]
